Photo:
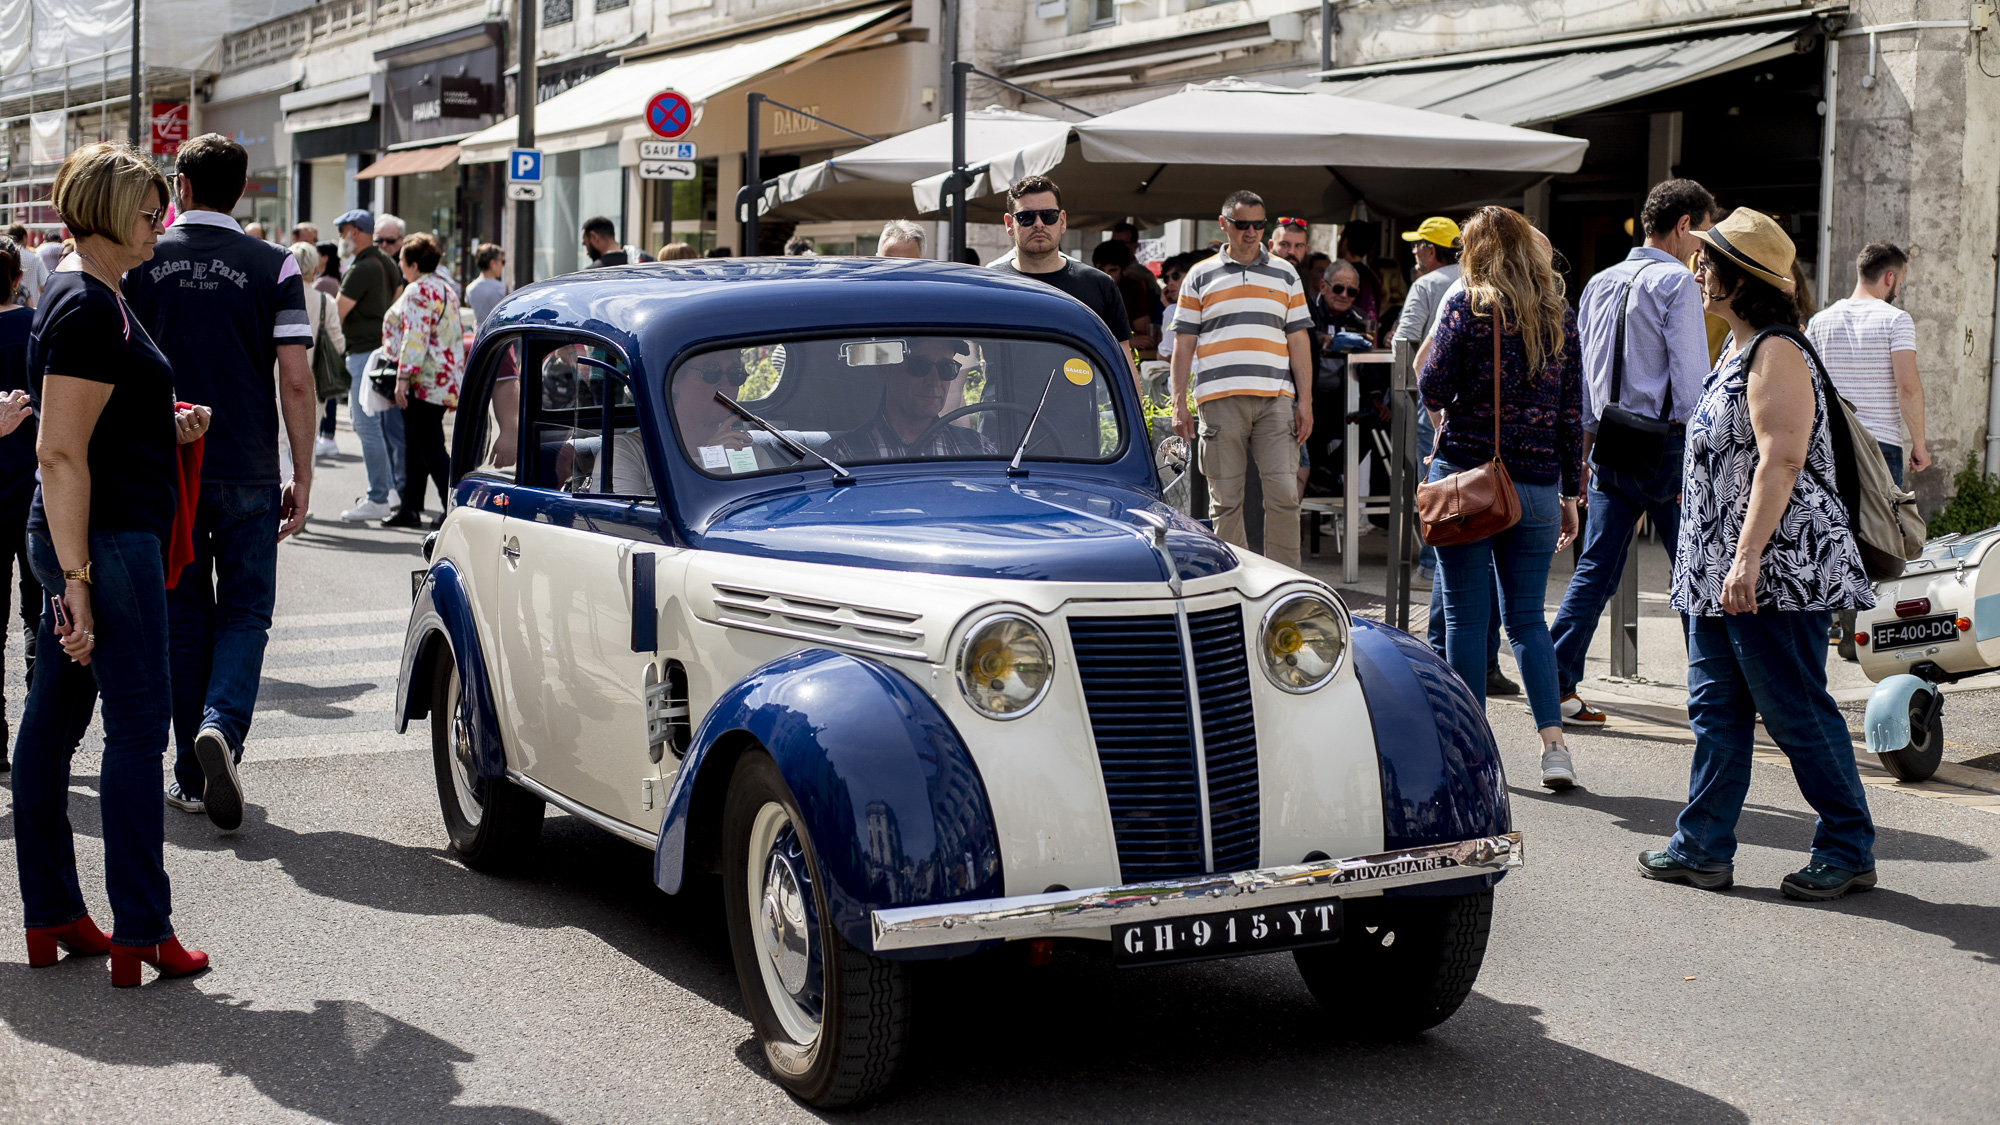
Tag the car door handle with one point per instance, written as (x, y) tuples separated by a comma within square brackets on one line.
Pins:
[(511, 549)]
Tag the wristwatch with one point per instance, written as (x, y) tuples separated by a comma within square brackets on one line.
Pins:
[(80, 574)]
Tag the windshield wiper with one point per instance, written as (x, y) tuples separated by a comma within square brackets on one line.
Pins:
[(1014, 467), (783, 438)]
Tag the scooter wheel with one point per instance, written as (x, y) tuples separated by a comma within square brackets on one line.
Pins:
[(1919, 760)]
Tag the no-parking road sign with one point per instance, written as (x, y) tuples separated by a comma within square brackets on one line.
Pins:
[(669, 114)]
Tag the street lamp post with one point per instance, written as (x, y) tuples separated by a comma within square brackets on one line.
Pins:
[(138, 88), (523, 249)]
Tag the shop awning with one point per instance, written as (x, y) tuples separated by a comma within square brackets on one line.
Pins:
[(1527, 91), (1307, 153), (874, 182), (411, 161), (595, 112)]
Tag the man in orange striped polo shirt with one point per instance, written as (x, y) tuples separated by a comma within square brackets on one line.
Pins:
[(1251, 365)]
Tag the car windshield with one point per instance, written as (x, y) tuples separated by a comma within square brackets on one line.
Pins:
[(861, 400)]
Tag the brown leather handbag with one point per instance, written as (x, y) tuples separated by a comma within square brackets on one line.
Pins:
[(1472, 505)]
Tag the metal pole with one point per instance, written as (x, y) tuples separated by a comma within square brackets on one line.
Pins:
[(1325, 35), (1828, 146), (752, 192), (137, 107), (1625, 616), (957, 184), (1403, 406), (524, 137)]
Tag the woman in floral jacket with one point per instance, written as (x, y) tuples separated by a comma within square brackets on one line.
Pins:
[(425, 335)]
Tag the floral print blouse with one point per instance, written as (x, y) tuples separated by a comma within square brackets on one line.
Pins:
[(424, 333), (1811, 563)]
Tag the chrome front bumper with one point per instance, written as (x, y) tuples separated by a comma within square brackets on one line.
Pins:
[(1028, 916)]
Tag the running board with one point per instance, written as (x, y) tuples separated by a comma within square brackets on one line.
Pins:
[(585, 813)]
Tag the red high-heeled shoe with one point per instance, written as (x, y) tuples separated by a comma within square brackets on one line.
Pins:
[(82, 938), (168, 957)]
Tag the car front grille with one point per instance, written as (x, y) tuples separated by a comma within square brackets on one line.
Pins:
[(1135, 686)]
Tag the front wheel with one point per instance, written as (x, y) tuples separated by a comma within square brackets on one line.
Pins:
[(832, 1019), (1403, 965), (1918, 760), (493, 823)]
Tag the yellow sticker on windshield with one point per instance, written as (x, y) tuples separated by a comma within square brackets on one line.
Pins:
[(1077, 371)]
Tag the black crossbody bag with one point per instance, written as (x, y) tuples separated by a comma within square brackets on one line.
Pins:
[(1627, 442)]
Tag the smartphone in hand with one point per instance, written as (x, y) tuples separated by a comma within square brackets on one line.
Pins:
[(62, 613)]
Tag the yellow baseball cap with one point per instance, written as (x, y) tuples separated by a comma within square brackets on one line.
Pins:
[(1436, 229)]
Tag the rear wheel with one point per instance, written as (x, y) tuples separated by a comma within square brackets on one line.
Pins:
[(1403, 965), (492, 822), (1919, 759), (832, 1019)]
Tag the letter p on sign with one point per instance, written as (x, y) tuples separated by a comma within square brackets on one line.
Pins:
[(524, 166)]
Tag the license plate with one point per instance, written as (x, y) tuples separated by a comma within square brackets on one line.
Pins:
[(1259, 929), (1916, 631)]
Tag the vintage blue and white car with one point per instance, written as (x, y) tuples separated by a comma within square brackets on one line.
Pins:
[(850, 581)]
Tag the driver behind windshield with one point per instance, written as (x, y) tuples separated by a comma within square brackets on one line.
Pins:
[(914, 394)]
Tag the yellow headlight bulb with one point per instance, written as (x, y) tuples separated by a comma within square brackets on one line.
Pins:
[(992, 663), (1286, 641)]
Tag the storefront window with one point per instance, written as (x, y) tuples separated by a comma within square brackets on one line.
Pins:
[(428, 201), (575, 187)]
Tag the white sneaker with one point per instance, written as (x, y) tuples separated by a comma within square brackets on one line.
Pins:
[(368, 510), (1558, 772), (325, 447)]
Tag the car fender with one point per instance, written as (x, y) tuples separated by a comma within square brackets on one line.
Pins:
[(1441, 774), (895, 808), (441, 626), (1887, 719)]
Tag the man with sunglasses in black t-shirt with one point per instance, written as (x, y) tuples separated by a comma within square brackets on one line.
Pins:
[(1036, 222), (913, 396)]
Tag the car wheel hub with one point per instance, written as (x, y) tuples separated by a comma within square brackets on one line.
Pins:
[(784, 924), (464, 775)]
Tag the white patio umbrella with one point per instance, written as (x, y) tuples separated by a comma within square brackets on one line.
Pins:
[(1308, 154), (874, 182)]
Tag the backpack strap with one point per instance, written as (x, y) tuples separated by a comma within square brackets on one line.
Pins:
[(1846, 485)]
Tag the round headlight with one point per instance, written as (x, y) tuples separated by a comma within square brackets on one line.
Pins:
[(1004, 665), (1304, 641)]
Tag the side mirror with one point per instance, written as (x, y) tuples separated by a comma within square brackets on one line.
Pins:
[(1172, 453)]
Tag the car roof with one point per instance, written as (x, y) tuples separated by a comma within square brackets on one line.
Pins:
[(655, 311)]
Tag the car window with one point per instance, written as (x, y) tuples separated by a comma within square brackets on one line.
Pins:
[(891, 398), (565, 444), (499, 439)]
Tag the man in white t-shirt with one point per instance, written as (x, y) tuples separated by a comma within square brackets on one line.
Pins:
[(1870, 349)]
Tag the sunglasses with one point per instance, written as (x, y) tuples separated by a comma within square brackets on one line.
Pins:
[(716, 376), (1295, 224), (1344, 290), (1047, 216), (158, 219), (943, 370), (1244, 224)]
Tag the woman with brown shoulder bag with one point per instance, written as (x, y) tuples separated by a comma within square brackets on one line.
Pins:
[(1504, 370)]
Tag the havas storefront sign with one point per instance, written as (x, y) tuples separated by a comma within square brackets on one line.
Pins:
[(440, 88)]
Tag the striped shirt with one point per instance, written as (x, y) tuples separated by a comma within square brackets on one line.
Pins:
[(1240, 315), (1856, 339)]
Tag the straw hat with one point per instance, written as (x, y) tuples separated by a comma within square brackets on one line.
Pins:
[(1752, 241)]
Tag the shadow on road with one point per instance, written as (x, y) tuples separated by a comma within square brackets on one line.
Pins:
[(1969, 926), (1761, 826), (343, 1061), (316, 537), (1238, 1040), (309, 701)]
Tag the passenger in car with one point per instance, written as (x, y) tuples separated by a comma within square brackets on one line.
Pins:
[(714, 436), (914, 394)]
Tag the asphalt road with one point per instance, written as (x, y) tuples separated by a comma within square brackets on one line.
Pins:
[(360, 975)]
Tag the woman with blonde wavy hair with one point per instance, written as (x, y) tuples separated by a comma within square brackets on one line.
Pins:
[(1512, 291)]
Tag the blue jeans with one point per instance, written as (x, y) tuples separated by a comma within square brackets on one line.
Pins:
[(127, 667), (381, 436), (1617, 500), (220, 617), (1427, 556), (1434, 633), (1770, 664), (1520, 557), (1894, 455)]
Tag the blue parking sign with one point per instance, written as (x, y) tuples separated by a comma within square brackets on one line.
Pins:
[(524, 166)]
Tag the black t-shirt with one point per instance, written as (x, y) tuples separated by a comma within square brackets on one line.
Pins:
[(17, 450), (609, 258), (220, 304), (1092, 286), (83, 331)]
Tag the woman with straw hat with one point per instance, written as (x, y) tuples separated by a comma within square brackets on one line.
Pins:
[(1766, 558)]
